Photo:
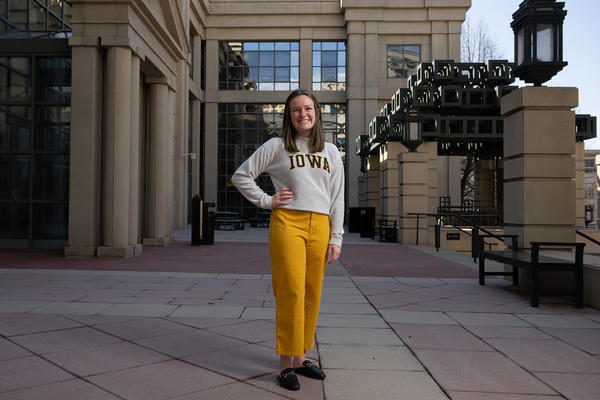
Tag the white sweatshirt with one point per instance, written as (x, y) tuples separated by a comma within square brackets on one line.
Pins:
[(316, 179)]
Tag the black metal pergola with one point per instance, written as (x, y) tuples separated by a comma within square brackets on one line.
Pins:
[(456, 105)]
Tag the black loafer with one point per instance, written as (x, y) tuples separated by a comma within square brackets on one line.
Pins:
[(288, 379), (310, 370)]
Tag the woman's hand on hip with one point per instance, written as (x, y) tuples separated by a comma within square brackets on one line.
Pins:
[(333, 253), (281, 197)]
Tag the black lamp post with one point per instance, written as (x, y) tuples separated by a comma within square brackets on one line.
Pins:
[(537, 25), (412, 136)]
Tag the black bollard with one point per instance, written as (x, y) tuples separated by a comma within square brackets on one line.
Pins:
[(196, 218)]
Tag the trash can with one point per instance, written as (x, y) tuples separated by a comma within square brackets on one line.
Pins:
[(354, 219), (208, 224), (196, 220), (367, 222)]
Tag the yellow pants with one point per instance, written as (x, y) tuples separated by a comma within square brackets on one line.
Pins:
[(298, 245)]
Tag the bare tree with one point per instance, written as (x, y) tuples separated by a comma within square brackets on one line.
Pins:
[(476, 45)]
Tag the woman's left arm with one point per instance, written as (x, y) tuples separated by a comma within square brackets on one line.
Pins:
[(336, 207)]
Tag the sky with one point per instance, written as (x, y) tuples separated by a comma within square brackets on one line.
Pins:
[(581, 47)]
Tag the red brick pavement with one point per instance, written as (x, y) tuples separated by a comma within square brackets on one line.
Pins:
[(246, 258)]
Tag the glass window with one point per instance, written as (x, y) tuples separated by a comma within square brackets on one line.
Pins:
[(402, 60), (259, 65), (15, 128), (29, 18), (15, 79), (54, 79), (334, 126), (328, 59), (243, 128)]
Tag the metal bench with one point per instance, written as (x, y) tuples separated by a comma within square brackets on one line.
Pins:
[(534, 264)]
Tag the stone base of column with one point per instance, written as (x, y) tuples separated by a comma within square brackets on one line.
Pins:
[(161, 241), (138, 249), (125, 251), (80, 251)]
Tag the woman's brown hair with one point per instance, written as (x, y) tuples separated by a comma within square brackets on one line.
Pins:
[(317, 138)]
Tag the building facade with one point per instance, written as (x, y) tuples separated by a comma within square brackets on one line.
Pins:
[(155, 101)]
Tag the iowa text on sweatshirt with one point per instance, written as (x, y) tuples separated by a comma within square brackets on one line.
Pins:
[(316, 179)]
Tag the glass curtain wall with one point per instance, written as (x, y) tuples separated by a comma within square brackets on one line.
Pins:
[(245, 127), (35, 18), (329, 66), (242, 129), (35, 114), (259, 65)]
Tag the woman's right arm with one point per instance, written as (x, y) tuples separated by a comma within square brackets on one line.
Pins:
[(244, 178)]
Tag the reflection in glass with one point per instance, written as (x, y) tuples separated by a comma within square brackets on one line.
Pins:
[(250, 65), (52, 129), (282, 58), (50, 221), (266, 59), (15, 79), (266, 46), (15, 131), (282, 74), (14, 177), (37, 17), (402, 60), (14, 220), (327, 58), (54, 79), (51, 177)]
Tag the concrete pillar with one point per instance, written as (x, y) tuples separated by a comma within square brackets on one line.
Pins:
[(196, 120), (372, 178), (116, 155), (180, 146), (539, 143), (432, 186), (413, 195), (85, 151), (211, 121), (211, 152), (135, 179), (579, 184), (389, 181), (159, 164), (485, 195), (306, 58)]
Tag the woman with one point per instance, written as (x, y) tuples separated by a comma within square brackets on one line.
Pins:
[(306, 225)]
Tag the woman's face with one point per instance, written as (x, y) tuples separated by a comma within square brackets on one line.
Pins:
[(302, 115)]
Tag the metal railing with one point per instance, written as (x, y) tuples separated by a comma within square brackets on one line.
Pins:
[(475, 228)]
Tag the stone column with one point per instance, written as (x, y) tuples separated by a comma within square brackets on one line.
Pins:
[(413, 195), (306, 58), (579, 157), (196, 119), (539, 143), (485, 183), (372, 178), (159, 164), (135, 181), (355, 111), (85, 151), (389, 181), (116, 152), (180, 147), (432, 187), (211, 119)]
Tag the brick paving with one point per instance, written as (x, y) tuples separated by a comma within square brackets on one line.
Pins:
[(184, 322)]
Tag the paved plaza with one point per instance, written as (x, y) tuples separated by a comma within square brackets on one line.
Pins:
[(182, 322)]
